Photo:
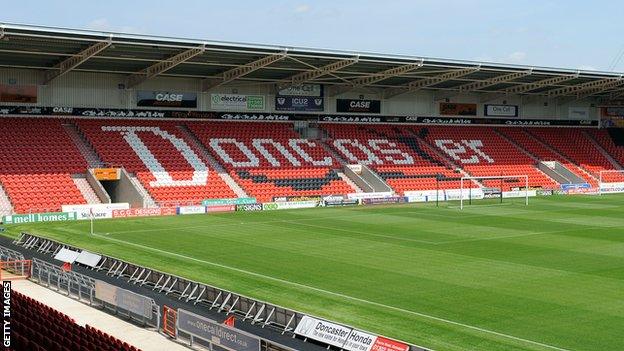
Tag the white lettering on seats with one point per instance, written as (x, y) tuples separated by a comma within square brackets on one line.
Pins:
[(257, 143), (371, 158), (455, 149), (252, 160), (294, 144), (391, 151), (163, 178)]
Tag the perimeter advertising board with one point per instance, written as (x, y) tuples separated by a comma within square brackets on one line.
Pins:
[(233, 201), (39, 217), (269, 206), (457, 109), (305, 97), (23, 94), (237, 102), (345, 337), (358, 106), (144, 212), (187, 210), (215, 333), (95, 211), (166, 99), (500, 110), (125, 299)]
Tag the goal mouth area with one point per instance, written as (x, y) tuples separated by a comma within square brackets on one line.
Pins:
[(493, 187)]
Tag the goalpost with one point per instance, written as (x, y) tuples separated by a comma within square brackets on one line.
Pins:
[(617, 186), (502, 178)]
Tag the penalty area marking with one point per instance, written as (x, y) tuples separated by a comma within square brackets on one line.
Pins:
[(348, 297)]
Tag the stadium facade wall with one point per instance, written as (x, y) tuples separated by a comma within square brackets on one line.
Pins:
[(86, 89)]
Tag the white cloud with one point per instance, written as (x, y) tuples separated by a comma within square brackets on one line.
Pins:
[(587, 68), (517, 57), (303, 8), (103, 25)]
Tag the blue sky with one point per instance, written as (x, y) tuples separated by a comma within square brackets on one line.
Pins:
[(556, 33)]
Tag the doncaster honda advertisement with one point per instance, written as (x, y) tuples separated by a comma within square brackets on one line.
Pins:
[(166, 99), (237, 102), (501, 110), (305, 97), (345, 337), (358, 106)]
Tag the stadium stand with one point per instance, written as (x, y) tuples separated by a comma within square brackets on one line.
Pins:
[(175, 161), (36, 164), (271, 160), (165, 163), (609, 141), (38, 327), (581, 151), (482, 152), (398, 156)]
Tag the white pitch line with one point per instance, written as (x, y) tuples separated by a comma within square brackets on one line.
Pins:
[(348, 297)]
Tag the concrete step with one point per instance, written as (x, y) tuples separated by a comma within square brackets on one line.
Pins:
[(93, 160), (86, 190), (348, 180), (150, 203)]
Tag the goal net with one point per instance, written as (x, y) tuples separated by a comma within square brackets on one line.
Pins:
[(611, 182), (497, 189)]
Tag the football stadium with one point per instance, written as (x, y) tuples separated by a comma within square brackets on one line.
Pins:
[(162, 193)]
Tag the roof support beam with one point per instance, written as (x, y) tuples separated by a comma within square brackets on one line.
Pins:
[(493, 81), (539, 84), (162, 66), (423, 83), (312, 74), (377, 77), (589, 86), (240, 71), (76, 60), (598, 90)]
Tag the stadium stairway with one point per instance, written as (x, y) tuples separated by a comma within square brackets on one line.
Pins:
[(580, 153), (36, 164), (213, 163), (482, 152), (541, 151), (164, 160), (93, 160), (343, 163), (86, 190), (599, 147), (395, 155), (607, 143), (149, 201)]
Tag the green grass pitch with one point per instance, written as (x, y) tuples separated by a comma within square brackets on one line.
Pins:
[(549, 276)]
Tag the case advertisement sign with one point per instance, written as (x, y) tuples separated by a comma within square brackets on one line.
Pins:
[(166, 99), (344, 337), (501, 110), (456, 109), (358, 106), (305, 97), (215, 333), (237, 102)]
